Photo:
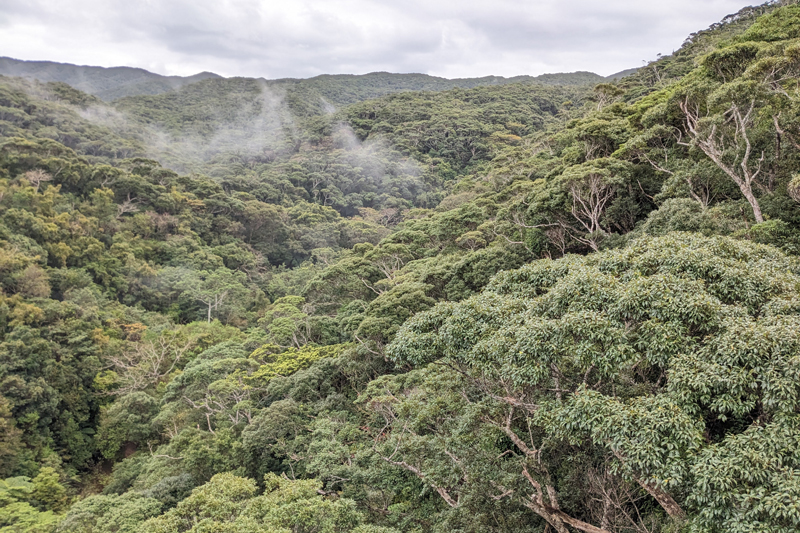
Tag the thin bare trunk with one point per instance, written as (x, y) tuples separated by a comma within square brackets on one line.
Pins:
[(417, 472), (712, 143), (551, 513), (666, 501)]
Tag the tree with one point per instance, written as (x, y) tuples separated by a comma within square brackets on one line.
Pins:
[(233, 504), (637, 363), (287, 321), (126, 422), (146, 363), (794, 188), (10, 442), (213, 288), (607, 93), (212, 390), (472, 240), (592, 186), (29, 506), (33, 282), (659, 147), (37, 176), (729, 149), (48, 493), (111, 513)]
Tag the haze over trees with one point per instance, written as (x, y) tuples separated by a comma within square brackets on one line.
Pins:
[(343, 305)]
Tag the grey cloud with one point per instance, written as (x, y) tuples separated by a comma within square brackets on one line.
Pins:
[(302, 38)]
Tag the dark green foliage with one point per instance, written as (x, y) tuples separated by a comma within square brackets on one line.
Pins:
[(457, 129), (514, 305), (661, 354)]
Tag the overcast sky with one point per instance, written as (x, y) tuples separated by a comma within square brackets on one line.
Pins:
[(303, 38)]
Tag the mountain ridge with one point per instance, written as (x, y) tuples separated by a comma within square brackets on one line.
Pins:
[(112, 83), (107, 83)]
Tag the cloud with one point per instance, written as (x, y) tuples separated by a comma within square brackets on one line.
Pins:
[(302, 38)]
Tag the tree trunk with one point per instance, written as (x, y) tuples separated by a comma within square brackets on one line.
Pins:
[(664, 500), (551, 511), (714, 145), (558, 518), (751, 199)]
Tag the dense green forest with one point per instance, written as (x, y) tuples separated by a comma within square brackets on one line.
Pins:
[(105, 83), (338, 306), (110, 84)]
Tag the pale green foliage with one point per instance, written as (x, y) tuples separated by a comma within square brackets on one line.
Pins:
[(109, 514), (31, 506), (14, 488), (232, 504), (48, 492), (21, 517), (287, 362)]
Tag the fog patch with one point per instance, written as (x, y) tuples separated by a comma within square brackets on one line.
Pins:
[(245, 126), (385, 170), (254, 129), (327, 107)]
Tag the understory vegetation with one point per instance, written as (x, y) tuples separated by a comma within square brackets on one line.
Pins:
[(514, 308)]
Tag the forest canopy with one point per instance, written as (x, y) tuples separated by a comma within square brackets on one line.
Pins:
[(386, 304)]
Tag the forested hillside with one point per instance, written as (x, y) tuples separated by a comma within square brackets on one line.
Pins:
[(105, 83), (519, 307), (110, 84)]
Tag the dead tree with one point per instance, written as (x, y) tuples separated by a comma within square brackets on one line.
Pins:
[(128, 205), (714, 144), (590, 197), (37, 176), (147, 363)]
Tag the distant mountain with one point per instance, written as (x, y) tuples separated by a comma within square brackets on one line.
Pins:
[(340, 89), (106, 83), (260, 118), (622, 74), (381, 82), (310, 96)]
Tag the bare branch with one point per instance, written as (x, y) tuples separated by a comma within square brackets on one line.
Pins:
[(713, 144)]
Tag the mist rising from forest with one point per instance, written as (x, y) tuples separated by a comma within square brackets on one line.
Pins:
[(404, 304)]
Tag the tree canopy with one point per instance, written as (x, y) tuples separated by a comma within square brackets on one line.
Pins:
[(401, 304)]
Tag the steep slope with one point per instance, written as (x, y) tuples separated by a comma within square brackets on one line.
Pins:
[(63, 114), (671, 67)]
